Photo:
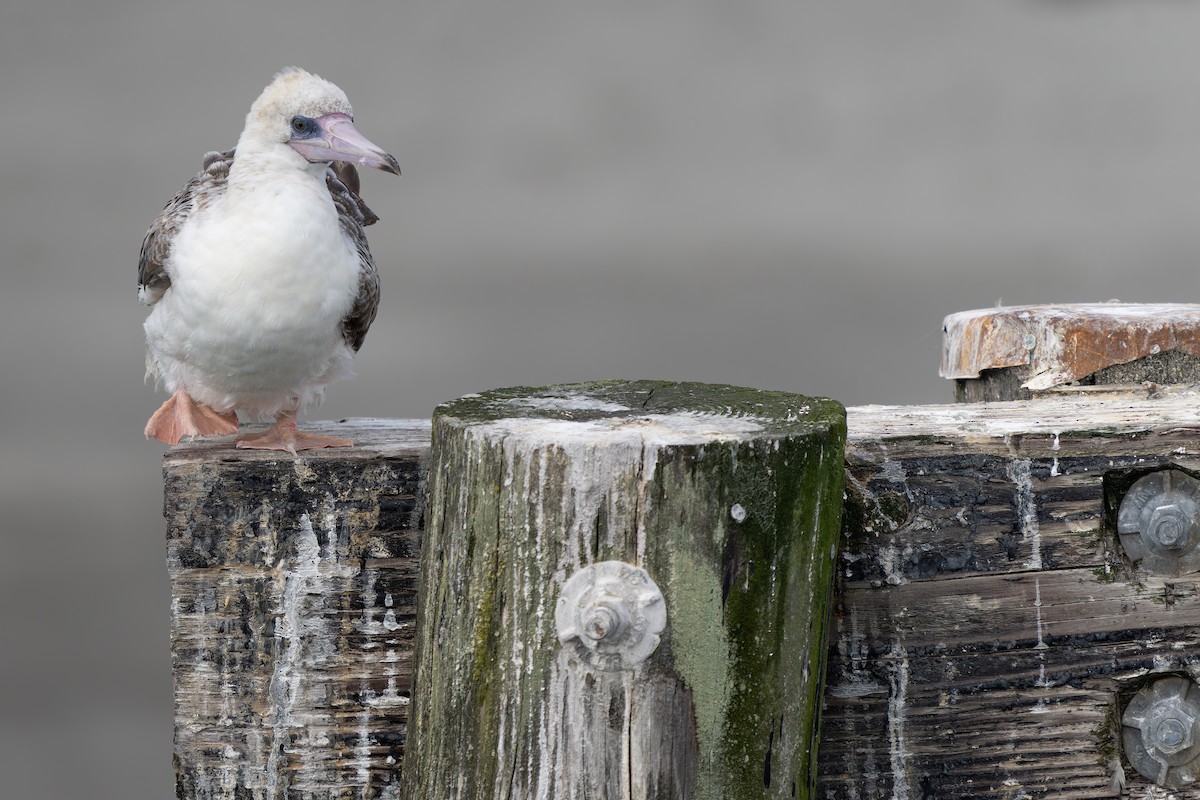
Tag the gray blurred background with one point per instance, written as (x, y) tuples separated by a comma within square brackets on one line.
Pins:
[(788, 196)]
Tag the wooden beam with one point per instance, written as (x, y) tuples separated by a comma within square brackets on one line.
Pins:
[(989, 625)]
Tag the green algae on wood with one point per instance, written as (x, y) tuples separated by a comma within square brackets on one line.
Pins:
[(729, 498)]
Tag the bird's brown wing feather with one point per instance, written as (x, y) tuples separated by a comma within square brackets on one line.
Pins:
[(154, 277), (353, 216)]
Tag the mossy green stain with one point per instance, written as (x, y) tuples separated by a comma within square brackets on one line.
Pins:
[(701, 650), (747, 677), (483, 641), (1108, 733), (758, 614)]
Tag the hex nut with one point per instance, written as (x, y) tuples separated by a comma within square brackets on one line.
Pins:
[(1159, 522), (1160, 731), (611, 615), (1168, 526), (1173, 734)]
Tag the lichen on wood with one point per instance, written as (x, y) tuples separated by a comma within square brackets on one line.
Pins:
[(728, 497)]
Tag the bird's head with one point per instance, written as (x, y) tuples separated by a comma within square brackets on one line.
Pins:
[(304, 119)]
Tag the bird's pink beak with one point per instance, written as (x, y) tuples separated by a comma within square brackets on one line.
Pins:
[(340, 141)]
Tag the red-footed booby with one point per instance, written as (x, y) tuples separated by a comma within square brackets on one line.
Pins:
[(259, 273)]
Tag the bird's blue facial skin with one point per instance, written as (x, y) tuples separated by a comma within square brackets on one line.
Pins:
[(305, 128)]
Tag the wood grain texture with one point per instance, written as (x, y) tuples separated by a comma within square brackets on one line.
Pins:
[(988, 625), (728, 498), (293, 586)]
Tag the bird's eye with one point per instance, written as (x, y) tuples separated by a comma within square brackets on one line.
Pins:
[(302, 125)]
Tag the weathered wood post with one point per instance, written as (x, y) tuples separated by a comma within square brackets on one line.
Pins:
[(293, 586), (624, 593)]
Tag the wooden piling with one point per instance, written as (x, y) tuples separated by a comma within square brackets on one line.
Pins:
[(293, 585), (727, 498)]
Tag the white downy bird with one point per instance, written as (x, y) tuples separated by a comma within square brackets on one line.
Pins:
[(259, 273)]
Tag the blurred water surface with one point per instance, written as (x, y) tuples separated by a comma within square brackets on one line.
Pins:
[(784, 195)]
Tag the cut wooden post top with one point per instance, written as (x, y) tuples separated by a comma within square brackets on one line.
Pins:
[(1017, 350), (659, 412)]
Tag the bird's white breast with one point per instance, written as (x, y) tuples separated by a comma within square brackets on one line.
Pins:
[(260, 284)]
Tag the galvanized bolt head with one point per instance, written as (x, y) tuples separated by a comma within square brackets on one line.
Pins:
[(607, 617), (611, 615), (1159, 522), (1169, 526), (1160, 731), (1172, 734)]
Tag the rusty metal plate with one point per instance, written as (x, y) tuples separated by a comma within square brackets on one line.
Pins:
[(1063, 343)]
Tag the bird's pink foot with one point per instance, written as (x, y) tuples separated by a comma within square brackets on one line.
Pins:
[(182, 416), (283, 435)]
